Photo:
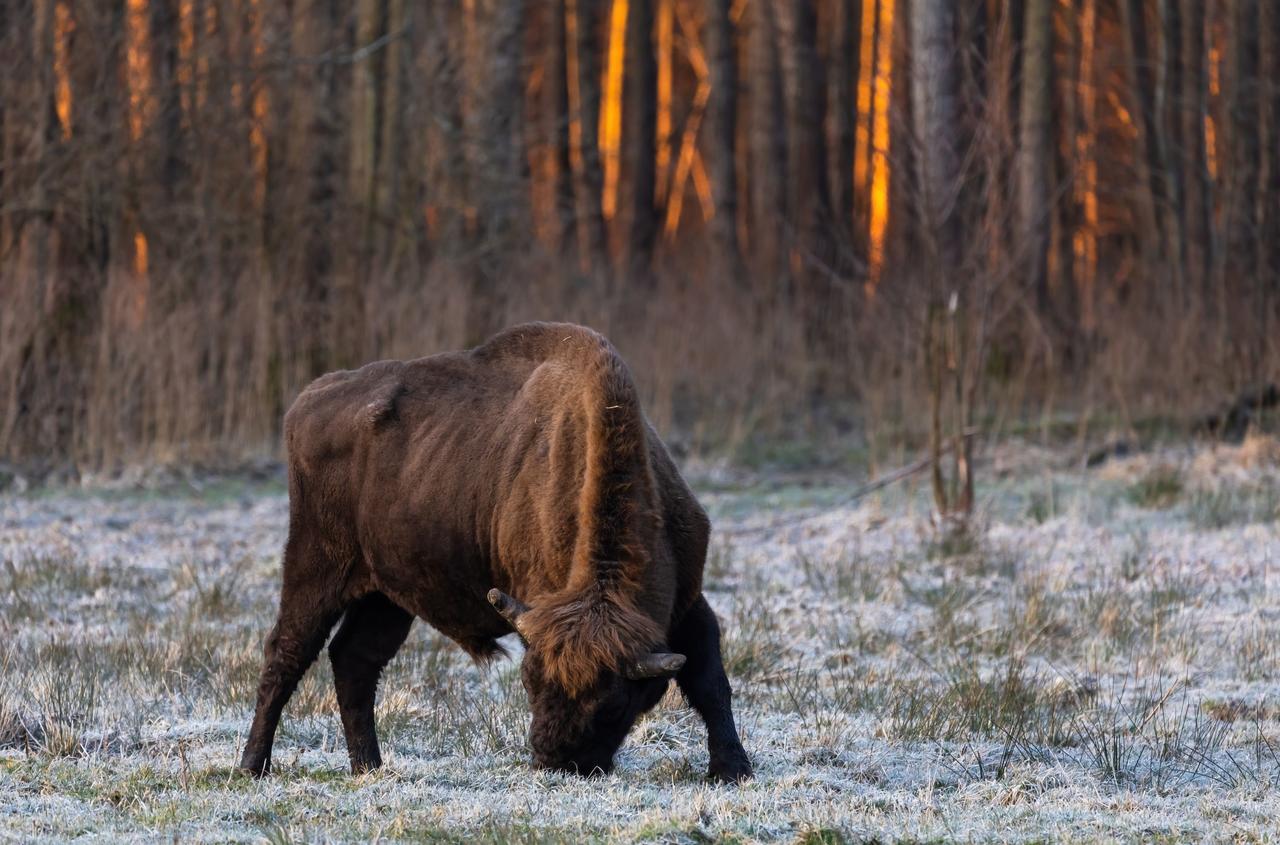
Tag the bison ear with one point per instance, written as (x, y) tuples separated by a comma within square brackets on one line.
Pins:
[(656, 664), (511, 609)]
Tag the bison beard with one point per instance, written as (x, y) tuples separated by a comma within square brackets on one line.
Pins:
[(514, 486)]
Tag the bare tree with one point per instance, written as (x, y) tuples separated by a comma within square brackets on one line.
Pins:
[(948, 346)]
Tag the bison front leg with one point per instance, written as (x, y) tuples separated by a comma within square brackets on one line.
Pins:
[(704, 684), (371, 633)]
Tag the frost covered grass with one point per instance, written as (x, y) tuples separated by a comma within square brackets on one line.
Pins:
[(1098, 659)]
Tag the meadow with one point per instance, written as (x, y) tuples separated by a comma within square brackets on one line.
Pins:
[(1097, 659)]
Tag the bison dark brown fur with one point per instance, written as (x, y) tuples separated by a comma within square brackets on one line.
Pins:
[(524, 467)]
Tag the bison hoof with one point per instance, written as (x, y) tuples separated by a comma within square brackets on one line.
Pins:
[(256, 768), (731, 768)]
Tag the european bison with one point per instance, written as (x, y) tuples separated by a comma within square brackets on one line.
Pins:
[(518, 486)]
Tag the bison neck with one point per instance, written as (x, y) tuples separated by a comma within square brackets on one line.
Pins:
[(574, 520)]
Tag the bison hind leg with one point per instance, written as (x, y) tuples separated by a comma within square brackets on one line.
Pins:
[(371, 633), (291, 647)]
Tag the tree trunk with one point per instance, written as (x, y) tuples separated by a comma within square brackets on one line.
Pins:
[(557, 114), (1195, 167), (721, 132), (395, 213), (768, 141), (1169, 127), (1241, 218), (1268, 243), (448, 180), (1147, 158), (1033, 159), (503, 181), (498, 168), (947, 344), (582, 20), (1252, 296), (363, 128), (808, 201), (313, 170), (936, 112), (846, 61), (11, 46), (641, 124)]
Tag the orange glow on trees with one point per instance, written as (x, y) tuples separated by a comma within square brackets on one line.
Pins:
[(879, 222), (138, 64), (611, 113), (665, 27), (63, 28)]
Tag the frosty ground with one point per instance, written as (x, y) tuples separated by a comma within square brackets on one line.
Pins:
[(1099, 659)]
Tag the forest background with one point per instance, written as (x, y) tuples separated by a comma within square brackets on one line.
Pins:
[(799, 220)]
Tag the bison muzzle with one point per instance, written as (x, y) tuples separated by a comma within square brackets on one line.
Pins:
[(518, 487)]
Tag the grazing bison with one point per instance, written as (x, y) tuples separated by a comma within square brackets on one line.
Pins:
[(518, 486)]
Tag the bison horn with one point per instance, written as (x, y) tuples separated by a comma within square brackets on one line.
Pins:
[(511, 609), (657, 664)]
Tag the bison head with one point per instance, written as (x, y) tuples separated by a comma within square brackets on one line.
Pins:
[(578, 727)]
